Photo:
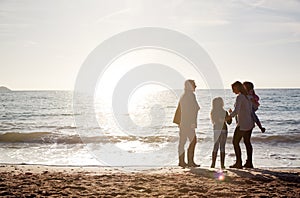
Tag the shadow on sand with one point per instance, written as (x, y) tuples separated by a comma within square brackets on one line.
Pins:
[(263, 175), (210, 174)]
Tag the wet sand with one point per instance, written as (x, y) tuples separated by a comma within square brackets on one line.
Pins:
[(56, 181)]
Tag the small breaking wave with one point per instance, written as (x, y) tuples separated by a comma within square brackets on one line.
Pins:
[(38, 137), (292, 138), (50, 138), (274, 139)]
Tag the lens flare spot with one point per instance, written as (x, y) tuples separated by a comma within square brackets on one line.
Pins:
[(221, 177)]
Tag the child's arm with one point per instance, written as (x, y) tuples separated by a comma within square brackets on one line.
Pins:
[(228, 118)]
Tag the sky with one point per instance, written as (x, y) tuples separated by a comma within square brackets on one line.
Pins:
[(43, 44)]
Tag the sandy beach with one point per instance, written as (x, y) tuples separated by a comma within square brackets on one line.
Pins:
[(58, 181)]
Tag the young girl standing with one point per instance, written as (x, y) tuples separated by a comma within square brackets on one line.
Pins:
[(218, 118)]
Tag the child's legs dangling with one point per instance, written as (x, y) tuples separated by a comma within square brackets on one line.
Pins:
[(257, 121)]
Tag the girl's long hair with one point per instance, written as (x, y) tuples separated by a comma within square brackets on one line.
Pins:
[(217, 110)]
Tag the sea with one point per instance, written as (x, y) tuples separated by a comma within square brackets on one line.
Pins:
[(43, 127)]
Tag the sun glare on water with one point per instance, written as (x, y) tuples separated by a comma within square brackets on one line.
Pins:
[(139, 111)]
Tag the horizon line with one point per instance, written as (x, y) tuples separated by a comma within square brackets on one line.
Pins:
[(175, 89)]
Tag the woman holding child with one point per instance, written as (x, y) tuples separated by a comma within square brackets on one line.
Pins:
[(245, 106), (245, 124)]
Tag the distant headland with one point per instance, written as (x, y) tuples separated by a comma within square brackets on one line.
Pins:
[(4, 89)]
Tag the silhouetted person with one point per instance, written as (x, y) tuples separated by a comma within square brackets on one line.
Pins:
[(255, 104), (219, 118), (245, 124), (186, 118)]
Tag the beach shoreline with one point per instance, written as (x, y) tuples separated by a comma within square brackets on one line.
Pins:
[(19, 180)]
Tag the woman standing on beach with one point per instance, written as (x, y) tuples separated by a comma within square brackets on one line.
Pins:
[(245, 124)]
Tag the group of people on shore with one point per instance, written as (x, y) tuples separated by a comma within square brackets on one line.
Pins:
[(247, 102)]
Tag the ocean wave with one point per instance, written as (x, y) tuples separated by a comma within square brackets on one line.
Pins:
[(293, 138), (282, 122), (39, 137), (52, 137), (13, 137), (274, 139)]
